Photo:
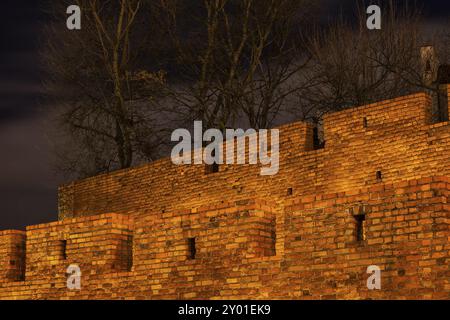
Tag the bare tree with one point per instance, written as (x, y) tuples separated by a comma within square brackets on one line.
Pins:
[(228, 62), (236, 61), (100, 81), (353, 65)]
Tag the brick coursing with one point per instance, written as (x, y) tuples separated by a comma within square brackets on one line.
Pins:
[(400, 141), (255, 239)]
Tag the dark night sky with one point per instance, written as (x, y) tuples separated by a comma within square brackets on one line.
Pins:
[(28, 186), (27, 183)]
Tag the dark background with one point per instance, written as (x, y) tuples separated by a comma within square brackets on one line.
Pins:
[(28, 183)]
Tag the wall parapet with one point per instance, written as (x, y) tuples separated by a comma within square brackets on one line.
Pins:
[(308, 247), (12, 255), (101, 243), (382, 141)]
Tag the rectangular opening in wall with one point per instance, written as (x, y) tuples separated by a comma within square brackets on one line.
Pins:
[(192, 250), (62, 249), (123, 256), (290, 191), (360, 220), (19, 262), (129, 253), (318, 141), (365, 122), (211, 168), (440, 106), (379, 176)]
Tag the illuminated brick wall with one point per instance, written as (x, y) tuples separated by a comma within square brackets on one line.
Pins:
[(248, 249), (394, 137), (377, 194), (12, 255)]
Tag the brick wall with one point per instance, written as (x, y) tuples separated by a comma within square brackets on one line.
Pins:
[(448, 102), (12, 255), (406, 231), (399, 141), (178, 233), (251, 250), (97, 243)]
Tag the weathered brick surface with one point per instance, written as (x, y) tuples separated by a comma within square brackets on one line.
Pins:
[(399, 141), (302, 245), (448, 102), (12, 255), (247, 249), (96, 243)]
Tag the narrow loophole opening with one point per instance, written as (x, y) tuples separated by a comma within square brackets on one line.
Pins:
[(129, 253), (192, 250), (379, 176), (212, 168), (63, 249), (318, 143), (360, 220)]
